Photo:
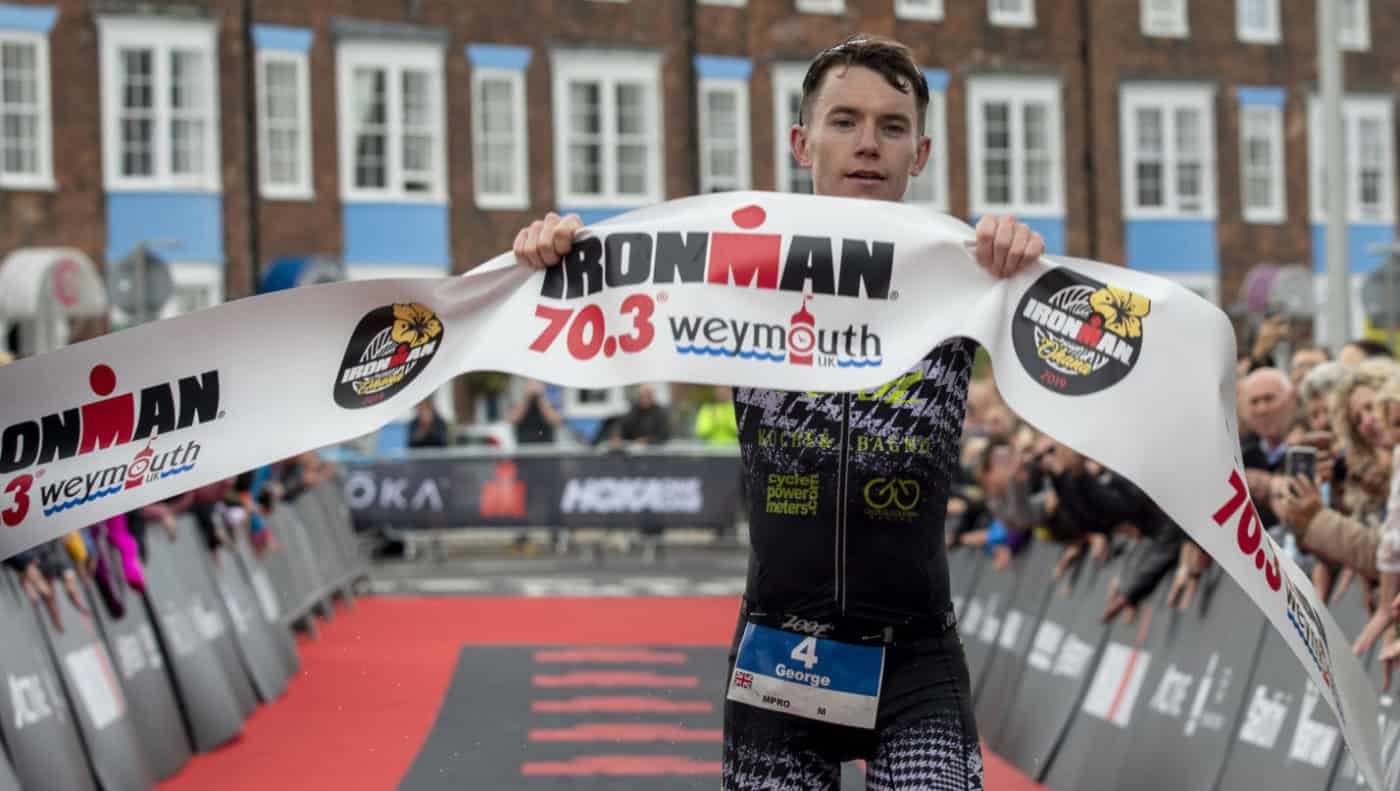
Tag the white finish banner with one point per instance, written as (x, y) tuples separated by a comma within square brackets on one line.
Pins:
[(749, 289)]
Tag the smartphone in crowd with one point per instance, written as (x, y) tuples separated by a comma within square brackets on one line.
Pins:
[(1301, 460), (1322, 440)]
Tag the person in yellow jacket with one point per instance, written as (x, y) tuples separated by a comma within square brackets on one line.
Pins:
[(715, 422)]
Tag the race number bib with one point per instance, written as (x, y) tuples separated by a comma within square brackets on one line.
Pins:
[(808, 676)]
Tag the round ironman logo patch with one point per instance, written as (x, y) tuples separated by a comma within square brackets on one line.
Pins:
[(390, 347), (1078, 336)]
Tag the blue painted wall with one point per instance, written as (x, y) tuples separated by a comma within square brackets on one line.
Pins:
[(27, 18), (1171, 245), (1051, 228), (415, 234), (1359, 239), (194, 219), (294, 39)]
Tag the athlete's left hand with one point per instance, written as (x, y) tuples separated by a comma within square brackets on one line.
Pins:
[(1006, 247)]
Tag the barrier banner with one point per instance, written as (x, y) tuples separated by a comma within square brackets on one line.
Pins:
[(1093, 749), (609, 489), (1193, 692), (39, 727), (1286, 737), (206, 609), (964, 566), (261, 657), (340, 525), (981, 623), (1348, 777), (100, 702), (131, 642), (206, 698), (270, 606), (317, 538), (301, 581), (805, 293), (1064, 651), (8, 781), (1036, 569)]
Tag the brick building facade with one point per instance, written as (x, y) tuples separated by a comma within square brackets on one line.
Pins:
[(415, 136)]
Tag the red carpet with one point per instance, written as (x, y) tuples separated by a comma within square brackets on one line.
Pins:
[(370, 687)]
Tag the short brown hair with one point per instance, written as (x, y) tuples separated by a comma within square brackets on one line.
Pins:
[(887, 57)]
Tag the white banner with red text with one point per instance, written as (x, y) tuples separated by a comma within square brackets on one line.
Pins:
[(752, 289)]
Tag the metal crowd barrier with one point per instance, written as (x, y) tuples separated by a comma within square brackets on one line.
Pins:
[(121, 699), (1203, 699)]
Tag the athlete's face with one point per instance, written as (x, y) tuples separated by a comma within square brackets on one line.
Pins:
[(862, 139)]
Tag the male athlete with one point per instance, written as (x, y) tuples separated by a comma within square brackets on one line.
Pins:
[(848, 578)]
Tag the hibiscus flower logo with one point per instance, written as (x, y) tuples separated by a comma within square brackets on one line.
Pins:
[(390, 347), (414, 325), (1076, 335), (1122, 310)]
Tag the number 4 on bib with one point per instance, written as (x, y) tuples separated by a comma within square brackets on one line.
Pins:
[(806, 653)]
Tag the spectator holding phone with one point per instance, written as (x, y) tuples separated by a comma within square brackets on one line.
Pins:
[(1330, 533)]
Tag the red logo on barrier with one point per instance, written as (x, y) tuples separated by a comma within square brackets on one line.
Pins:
[(504, 495)]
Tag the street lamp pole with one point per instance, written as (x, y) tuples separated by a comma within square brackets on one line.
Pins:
[(1334, 199)]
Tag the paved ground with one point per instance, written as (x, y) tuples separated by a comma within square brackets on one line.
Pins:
[(673, 571)]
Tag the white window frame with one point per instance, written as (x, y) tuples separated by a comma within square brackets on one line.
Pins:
[(1016, 91), (519, 198), (787, 80), (929, 10), (936, 170), (608, 68), (1171, 23), (1357, 39), (302, 189), (42, 179), (740, 89), (1271, 119), (1270, 34), (572, 406), (821, 6), (162, 36), (1168, 97), (732, 3), (1024, 16), (394, 57), (1354, 109)]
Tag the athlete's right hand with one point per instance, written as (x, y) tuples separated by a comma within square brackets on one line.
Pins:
[(545, 242)]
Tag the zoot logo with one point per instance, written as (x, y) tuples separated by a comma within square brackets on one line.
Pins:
[(390, 347), (108, 422), (792, 623), (1078, 336)]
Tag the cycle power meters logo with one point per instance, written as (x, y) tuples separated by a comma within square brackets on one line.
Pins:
[(1077, 336), (390, 347)]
